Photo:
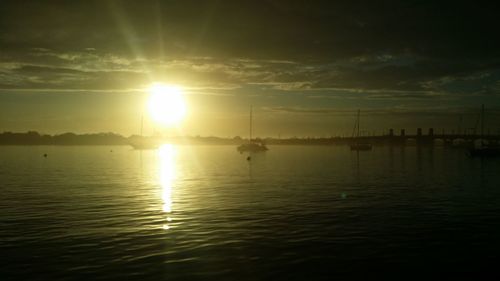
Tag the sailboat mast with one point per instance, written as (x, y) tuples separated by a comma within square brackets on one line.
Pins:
[(142, 123), (460, 121), (250, 124), (358, 123), (482, 124)]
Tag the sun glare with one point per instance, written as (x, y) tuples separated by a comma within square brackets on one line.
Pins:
[(166, 104)]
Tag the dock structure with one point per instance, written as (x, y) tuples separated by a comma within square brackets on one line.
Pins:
[(429, 139)]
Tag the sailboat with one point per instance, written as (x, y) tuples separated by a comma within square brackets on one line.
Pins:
[(357, 144), (252, 146), (484, 150), (142, 143)]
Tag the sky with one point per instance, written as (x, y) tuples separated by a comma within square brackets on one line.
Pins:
[(306, 67)]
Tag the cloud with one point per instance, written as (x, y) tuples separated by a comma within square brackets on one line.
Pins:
[(370, 77), (389, 50), (401, 110), (270, 29)]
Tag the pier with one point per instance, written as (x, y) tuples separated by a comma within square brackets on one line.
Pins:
[(426, 139)]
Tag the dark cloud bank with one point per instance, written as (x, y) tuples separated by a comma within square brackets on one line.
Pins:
[(378, 49)]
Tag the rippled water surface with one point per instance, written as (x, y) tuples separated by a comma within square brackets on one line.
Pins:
[(205, 213)]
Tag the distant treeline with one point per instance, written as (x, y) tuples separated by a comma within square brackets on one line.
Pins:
[(35, 138)]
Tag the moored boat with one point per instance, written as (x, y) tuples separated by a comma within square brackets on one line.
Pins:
[(358, 144), (142, 143), (252, 145), (484, 149)]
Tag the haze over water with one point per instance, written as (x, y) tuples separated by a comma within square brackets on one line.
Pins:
[(205, 213)]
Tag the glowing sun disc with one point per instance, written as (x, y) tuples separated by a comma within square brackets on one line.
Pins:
[(166, 104)]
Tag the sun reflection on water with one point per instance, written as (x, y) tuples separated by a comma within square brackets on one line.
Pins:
[(167, 176)]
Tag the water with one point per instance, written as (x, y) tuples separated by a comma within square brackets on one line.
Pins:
[(205, 213)]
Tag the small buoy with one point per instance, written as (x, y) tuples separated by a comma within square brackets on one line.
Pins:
[(249, 158), (45, 155)]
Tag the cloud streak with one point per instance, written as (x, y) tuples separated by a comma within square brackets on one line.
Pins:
[(379, 77), (392, 112)]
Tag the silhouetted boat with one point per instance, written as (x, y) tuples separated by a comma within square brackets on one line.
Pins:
[(462, 144), (358, 144), (252, 146), (361, 146), (143, 144), (484, 150)]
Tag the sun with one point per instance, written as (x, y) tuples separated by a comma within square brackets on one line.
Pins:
[(166, 104)]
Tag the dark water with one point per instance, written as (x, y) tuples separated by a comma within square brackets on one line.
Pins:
[(205, 213)]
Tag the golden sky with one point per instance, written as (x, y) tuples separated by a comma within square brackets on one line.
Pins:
[(306, 67)]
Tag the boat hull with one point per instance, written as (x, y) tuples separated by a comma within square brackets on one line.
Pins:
[(484, 152), (144, 146), (361, 147), (252, 147)]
